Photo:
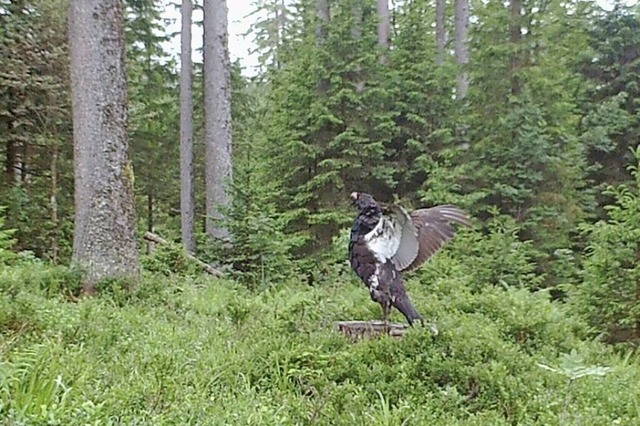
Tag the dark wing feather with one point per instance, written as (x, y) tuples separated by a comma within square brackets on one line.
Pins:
[(434, 229)]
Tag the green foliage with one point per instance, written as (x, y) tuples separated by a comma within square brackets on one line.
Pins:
[(498, 258), (30, 272), (261, 253), (6, 241), (208, 351), (35, 140), (608, 295), (169, 259), (611, 120), (153, 116)]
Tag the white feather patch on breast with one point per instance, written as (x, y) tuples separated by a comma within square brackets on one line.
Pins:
[(384, 239)]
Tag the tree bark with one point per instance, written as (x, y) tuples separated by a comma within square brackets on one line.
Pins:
[(384, 24), (322, 33), (281, 22), (10, 162), (356, 32), (53, 203), (462, 46), (187, 178), (515, 35), (217, 105), (322, 26), (104, 244), (441, 35), (23, 164), (361, 330)]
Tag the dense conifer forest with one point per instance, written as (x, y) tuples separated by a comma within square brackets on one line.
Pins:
[(173, 234)]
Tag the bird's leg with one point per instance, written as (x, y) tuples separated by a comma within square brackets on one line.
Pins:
[(386, 310)]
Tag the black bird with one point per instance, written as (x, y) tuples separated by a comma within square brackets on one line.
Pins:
[(387, 240)]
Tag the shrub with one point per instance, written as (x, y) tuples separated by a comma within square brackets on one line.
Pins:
[(609, 296)]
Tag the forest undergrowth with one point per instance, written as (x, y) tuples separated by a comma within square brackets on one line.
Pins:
[(188, 349)]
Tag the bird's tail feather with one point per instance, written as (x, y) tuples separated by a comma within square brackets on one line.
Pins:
[(407, 309)]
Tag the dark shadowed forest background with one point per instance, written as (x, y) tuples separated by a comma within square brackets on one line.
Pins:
[(526, 113)]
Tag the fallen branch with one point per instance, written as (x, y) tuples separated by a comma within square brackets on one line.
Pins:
[(154, 238), (359, 330)]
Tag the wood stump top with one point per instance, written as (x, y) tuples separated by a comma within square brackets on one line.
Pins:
[(359, 330)]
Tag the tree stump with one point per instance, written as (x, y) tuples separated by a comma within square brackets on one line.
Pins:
[(360, 330)]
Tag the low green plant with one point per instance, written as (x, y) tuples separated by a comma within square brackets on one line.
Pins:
[(203, 350), (168, 259), (7, 256)]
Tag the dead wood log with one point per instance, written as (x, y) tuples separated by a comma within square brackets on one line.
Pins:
[(154, 238), (359, 330)]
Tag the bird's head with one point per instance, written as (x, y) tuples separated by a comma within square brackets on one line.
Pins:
[(364, 201)]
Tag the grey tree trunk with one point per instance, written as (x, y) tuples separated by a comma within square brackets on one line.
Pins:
[(104, 242), (462, 46), (322, 26), (217, 114), (515, 36), (187, 186), (356, 32), (281, 22), (441, 34), (322, 32), (53, 203), (384, 25)]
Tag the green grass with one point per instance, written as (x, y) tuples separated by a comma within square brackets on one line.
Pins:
[(206, 351)]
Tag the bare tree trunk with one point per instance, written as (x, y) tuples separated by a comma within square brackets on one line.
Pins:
[(149, 210), (187, 178), (383, 29), (281, 22), (462, 46), (23, 162), (10, 162), (12, 145), (322, 27), (217, 105), (441, 35), (515, 37), (53, 203), (104, 243), (322, 32), (356, 32)]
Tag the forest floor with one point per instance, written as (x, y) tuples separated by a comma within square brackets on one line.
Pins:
[(207, 351)]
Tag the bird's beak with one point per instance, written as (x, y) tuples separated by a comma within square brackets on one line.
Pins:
[(354, 196)]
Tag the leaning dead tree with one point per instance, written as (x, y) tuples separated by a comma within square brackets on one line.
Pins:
[(156, 239)]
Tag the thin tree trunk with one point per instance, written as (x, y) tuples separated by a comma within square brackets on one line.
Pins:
[(104, 244), (217, 104), (322, 32), (441, 34), (53, 203), (187, 178), (281, 21), (23, 162), (149, 210), (515, 38), (322, 27), (356, 32), (10, 162), (637, 324), (462, 46), (11, 145), (383, 29)]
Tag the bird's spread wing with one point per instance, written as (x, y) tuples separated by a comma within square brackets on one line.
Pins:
[(409, 240), (434, 229), (394, 238)]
